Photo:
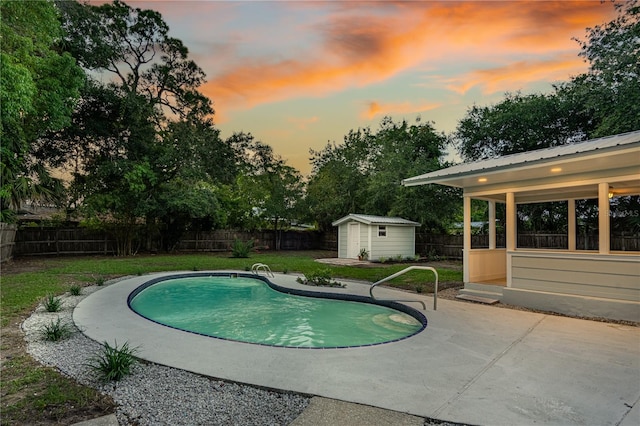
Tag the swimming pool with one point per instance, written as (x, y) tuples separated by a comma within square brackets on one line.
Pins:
[(251, 309)]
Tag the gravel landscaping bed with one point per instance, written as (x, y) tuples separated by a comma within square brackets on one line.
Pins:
[(155, 394)]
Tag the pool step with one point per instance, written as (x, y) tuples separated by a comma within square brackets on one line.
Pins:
[(479, 299)]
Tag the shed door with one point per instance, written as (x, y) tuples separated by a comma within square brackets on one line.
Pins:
[(353, 240)]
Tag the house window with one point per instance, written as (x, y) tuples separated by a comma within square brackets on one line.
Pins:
[(382, 231)]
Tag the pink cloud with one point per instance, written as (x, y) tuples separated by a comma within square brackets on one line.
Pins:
[(353, 45), (361, 46), (515, 75)]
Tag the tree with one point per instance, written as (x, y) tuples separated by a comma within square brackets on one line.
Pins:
[(334, 190), (364, 174), (141, 136), (610, 90), (339, 178), (196, 191), (269, 187), (38, 89), (134, 47), (404, 151), (516, 124)]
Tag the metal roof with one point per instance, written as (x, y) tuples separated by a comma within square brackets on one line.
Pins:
[(578, 151), (375, 220)]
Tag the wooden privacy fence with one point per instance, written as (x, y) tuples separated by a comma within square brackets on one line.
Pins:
[(82, 241), (450, 246), (79, 241), (62, 241), (222, 240)]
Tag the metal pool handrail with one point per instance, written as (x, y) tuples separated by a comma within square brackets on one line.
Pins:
[(397, 274), (257, 267)]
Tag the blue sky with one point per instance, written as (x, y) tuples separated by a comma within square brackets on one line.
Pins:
[(298, 74)]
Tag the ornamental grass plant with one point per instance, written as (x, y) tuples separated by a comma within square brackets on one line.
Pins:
[(56, 330), (114, 362), (52, 303)]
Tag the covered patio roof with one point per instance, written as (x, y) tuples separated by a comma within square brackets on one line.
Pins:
[(568, 171)]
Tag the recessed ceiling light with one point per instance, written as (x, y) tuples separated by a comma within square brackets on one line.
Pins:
[(482, 180), (556, 169)]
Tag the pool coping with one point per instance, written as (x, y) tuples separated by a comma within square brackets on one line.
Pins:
[(473, 364), (322, 294)]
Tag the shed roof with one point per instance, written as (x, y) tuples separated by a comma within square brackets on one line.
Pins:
[(375, 220), (617, 155)]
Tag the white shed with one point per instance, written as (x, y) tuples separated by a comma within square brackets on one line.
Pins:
[(380, 236)]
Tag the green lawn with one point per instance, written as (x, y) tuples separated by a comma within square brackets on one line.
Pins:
[(22, 291), (35, 394)]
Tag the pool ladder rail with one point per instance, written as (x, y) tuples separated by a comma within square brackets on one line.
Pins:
[(257, 267), (397, 274)]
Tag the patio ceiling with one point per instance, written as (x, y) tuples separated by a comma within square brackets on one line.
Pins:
[(559, 173)]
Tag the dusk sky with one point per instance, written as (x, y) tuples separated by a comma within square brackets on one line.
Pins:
[(297, 74)]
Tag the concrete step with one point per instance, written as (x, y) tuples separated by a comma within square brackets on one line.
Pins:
[(479, 299)]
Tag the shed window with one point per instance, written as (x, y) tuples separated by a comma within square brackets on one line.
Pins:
[(382, 231)]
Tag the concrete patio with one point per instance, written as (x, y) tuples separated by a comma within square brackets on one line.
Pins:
[(473, 364)]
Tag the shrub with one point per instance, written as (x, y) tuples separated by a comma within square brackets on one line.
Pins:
[(52, 303), (419, 288), (75, 290), (319, 277), (55, 331), (100, 281), (241, 249), (113, 363), (432, 255)]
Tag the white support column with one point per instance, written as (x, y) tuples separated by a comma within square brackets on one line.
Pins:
[(492, 225), (571, 229), (604, 244), (511, 222), (466, 245)]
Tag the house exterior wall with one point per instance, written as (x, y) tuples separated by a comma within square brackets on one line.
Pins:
[(364, 237), (586, 285), (610, 277), (486, 265), (400, 240)]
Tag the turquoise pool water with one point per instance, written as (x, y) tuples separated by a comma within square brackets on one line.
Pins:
[(248, 310)]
